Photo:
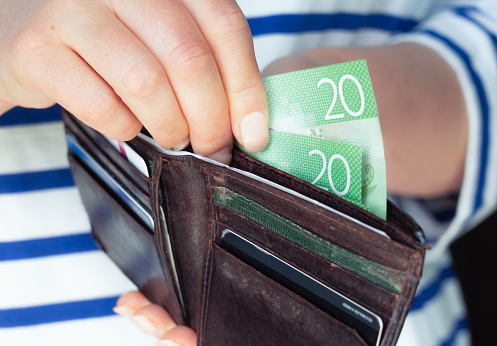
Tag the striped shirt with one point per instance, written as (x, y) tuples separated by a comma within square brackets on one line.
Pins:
[(57, 288)]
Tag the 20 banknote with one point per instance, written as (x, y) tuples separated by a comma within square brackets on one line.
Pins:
[(325, 129)]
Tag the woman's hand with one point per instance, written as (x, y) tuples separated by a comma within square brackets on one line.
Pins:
[(184, 69)]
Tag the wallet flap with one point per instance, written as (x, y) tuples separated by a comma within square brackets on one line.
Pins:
[(125, 240)]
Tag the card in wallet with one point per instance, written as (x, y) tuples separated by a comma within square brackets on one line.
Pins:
[(246, 254)]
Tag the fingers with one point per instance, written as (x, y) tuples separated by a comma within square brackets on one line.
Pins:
[(190, 67), (228, 34), (68, 80), (184, 69), (133, 72), (154, 320), (129, 302), (44, 69), (179, 336)]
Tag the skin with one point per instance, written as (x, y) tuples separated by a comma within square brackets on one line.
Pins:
[(185, 69)]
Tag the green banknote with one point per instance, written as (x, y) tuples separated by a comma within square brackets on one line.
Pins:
[(335, 103), (333, 166)]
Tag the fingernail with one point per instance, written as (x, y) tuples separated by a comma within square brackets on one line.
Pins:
[(123, 310), (254, 131), (223, 155), (146, 326), (182, 145), (167, 343)]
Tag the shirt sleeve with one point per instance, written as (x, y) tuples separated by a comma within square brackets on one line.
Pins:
[(466, 37)]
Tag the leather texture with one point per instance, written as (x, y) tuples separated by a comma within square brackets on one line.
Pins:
[(222, 298)]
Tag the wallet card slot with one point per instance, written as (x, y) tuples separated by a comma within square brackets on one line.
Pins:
[(121, 192), (374, 297), (382, 275), (337, 230), (124, 239), (269, 313), (108, 156)]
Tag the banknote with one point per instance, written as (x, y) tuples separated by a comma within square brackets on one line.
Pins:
[(333, 166), (335, 103)]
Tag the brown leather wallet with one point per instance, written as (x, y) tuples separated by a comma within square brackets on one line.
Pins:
[(247, 254)]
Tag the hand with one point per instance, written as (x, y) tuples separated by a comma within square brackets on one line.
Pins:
[(184, 69), (154, 320)]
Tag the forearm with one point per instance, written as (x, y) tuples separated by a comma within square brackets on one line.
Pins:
[(423, 117), (422, 114)]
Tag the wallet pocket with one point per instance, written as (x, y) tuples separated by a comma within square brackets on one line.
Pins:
[(335, 252), (122, 237), (244, 304), (362, 291), (329, 224)]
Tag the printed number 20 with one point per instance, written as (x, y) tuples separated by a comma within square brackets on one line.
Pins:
[(330, 178), (328, 115)]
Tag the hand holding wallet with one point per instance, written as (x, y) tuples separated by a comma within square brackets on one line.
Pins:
[(247, 254)]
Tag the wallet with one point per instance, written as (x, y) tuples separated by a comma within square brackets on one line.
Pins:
[(246, 254)]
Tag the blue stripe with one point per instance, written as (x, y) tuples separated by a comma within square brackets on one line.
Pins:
[(34, 181), (29, 316), (28, 116), (443, 209), (432, 290), (46, 247), (461, 325), (485, 115), (444, 215), (299, 23), (464, 13)]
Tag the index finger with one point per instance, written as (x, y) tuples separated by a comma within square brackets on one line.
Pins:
[(226, 29)]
